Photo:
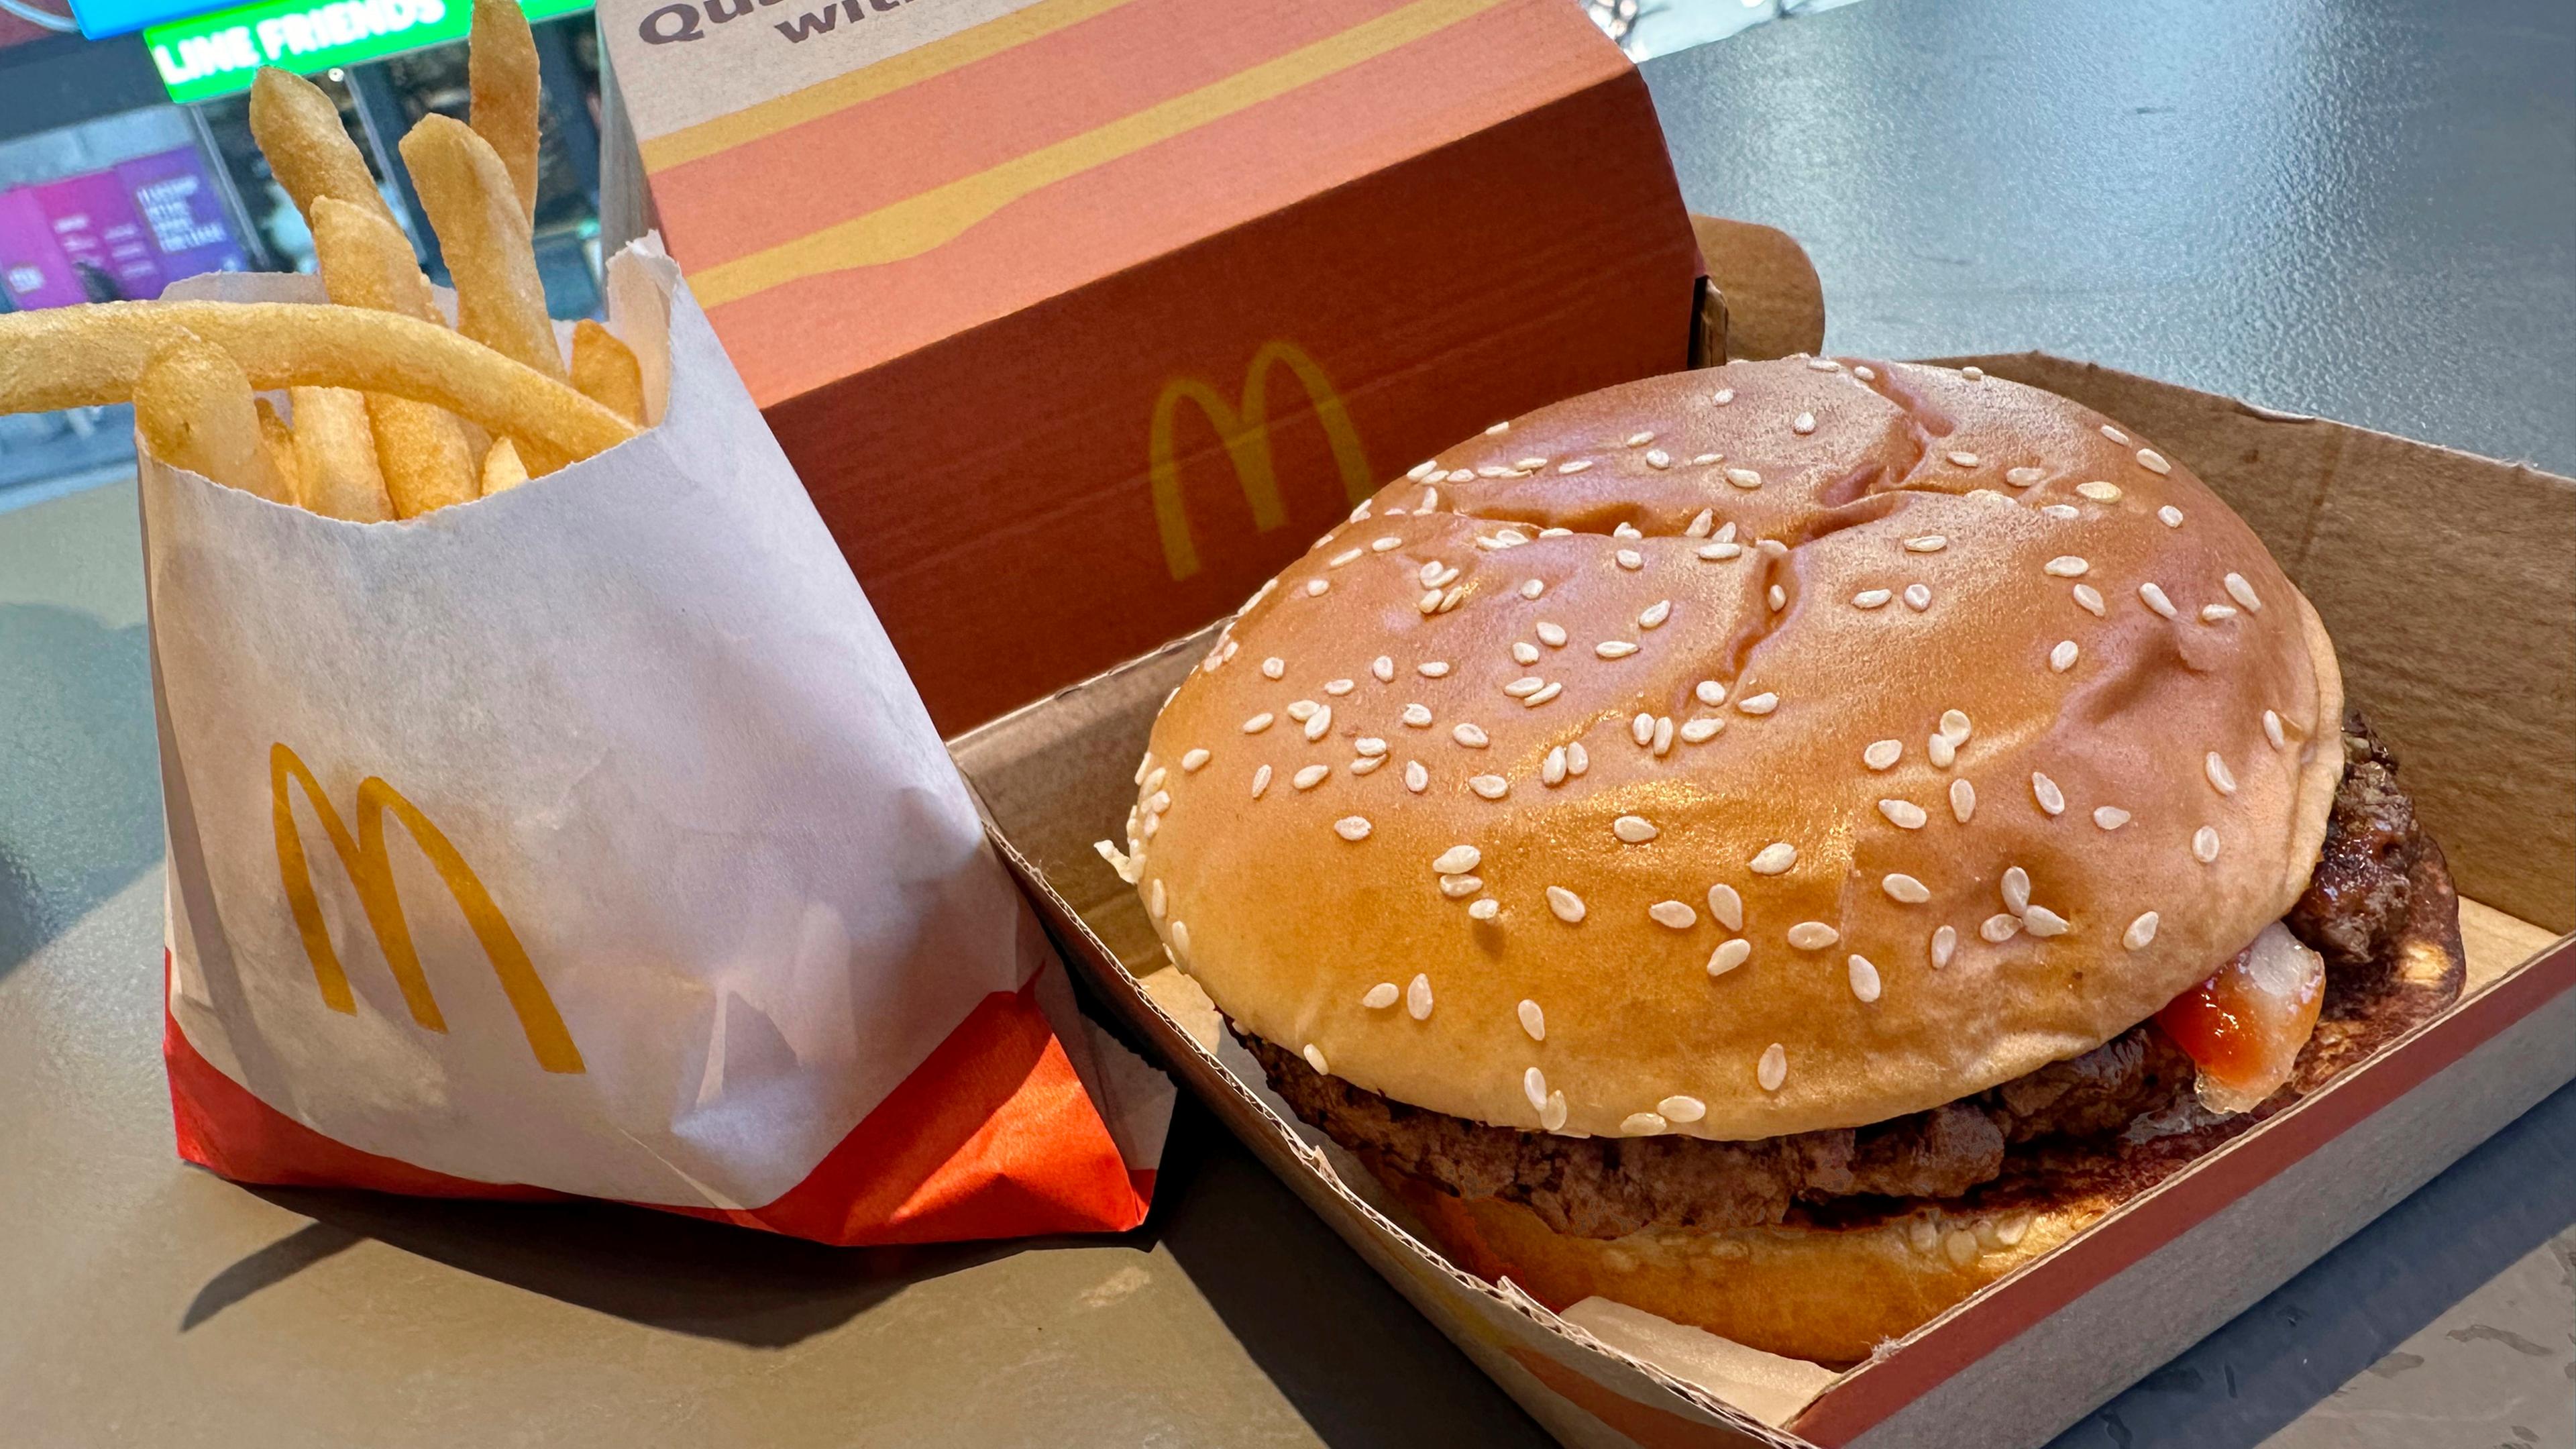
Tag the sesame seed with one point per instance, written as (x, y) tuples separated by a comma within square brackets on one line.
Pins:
[(2099, 491), (1450, 599), (2061, 658), (2140, 932), (2243, 593), (1432, 668), (2089, 599), (1960, 1246), (2024, 477), (2171, 515), (1533, 1020), (1524, 652), (2110, 817), (1773, 1068), (1630, 559), (1383, 668), (2000, 928), (1380, 997), (1864, 372), (1552, 635), (2217, 613), (1315, 1059), (1762, 703), (1416, 778), (1459, 887), (1642, 730), (1926, 543), (1498, 429), (1918, 597), (1577, 759), (1905, 888), (1530, 465), (1551, 772), (2156, 600), (1273, 667), (1803, 423), (1345, 556), (1260, 781), (1973, 373), (1779, 598), (2016, 887), (1945, 943), (2219, 775), (1525, 686), (1454, 475), (1674, 914), (1468, 735), (1457, 860), (1655, 614), (1823, 364), (1640, 1124), (1552, 1117), (1422, 470), (1903, 814), (1543, 696), (1154, 781), (1319, 722), (1492, 787), (1417, 715), (2065, 566), (1726, 907), (1701, 730), (1258, 723), (1682, 1109), (1658, 458), (1193, 761), (1882, 753), (2271, 731), (1155, 899), (1309, 777), (2204, 844), (1576, 465), (1813, 935), (1709, 692), (1942, 750), (1534, 1086), (1719, 552), (1417, 997), (1773, 859), (1864, 978), (1353, 828), (1871, 598), (1639, 440), (1369, 745), (1303, 710), (2044, 789), (1743, 477), (1634, 829), (1381, 545), (1724, 396), (2153, 461), (1614, 649), (1700, 521), (2062, 511), (1484, 910), (2042, 922), (1532, 588), (1566, 904), (1729, 955), (1963, 460), (1315, 587), (2114, 434), (1367, 764)]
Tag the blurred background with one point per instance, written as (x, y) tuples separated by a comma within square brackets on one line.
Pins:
[(126, 159)]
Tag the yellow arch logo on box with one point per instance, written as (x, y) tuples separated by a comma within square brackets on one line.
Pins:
[(370, 871), (1245, 432)]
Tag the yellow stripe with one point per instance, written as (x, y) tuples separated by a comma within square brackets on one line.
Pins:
[(917, 224), (912, 67)]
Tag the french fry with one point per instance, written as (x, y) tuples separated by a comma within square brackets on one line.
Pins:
[(424, 453), (502, 470), (299, 131), (605, 371), (501, 72), (85, 356), (467, 193), (280, 440), (335, 456), (193, 407)]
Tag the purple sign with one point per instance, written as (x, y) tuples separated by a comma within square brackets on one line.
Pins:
[(124, 233)]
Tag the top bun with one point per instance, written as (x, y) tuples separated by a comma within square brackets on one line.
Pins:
[(1979, 664)]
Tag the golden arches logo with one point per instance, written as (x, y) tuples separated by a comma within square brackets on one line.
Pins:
[(1245, 432), (370, 871)]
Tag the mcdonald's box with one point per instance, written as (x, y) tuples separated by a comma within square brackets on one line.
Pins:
[(589, 839), (2462, 670), (1079, 316)]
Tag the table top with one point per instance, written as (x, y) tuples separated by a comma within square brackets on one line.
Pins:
[(2358, 209)]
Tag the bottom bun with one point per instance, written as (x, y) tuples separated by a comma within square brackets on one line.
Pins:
[(1836, 1284)]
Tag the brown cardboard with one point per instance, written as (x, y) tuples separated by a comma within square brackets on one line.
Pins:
[(2462, 652)]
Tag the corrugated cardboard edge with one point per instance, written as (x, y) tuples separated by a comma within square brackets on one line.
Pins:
[(2509, 1034)]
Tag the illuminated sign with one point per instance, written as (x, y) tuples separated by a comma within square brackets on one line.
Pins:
[(216, 55), (102, 18)]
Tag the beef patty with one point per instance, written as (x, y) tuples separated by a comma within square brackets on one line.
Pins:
[(2374, 864)]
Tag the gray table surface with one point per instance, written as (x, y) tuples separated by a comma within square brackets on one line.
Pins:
[(2359, 209)]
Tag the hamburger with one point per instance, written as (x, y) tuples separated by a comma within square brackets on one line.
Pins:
[(1783, 845)]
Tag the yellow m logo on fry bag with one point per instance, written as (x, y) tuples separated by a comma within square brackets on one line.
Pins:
[(370, 872), (1245, 432)]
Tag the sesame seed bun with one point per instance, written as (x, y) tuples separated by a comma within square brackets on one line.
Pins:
[(1928, 730)]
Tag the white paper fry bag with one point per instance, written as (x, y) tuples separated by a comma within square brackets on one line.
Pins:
[(589, 838)]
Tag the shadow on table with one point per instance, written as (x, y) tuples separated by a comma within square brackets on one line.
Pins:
[(2354, 1306), (1360, 1366)]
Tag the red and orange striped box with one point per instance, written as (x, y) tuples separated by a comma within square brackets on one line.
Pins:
[(1079, 318)]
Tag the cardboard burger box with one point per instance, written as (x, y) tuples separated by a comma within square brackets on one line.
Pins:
[(1212, 271), (2445, 580)]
